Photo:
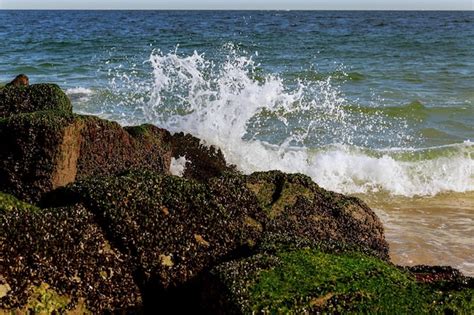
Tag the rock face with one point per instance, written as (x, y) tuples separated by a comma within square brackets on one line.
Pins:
[(15, 99), (173, 228), (192, 223), (45, 145), (107, 148), (48, 149), (58, 259), (170, 228), (20, 80), (202, 162), (299, 209)]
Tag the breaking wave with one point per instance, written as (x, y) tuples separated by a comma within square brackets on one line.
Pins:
[(261, 122)]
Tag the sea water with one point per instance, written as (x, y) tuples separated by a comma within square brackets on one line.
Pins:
[(373, 104)]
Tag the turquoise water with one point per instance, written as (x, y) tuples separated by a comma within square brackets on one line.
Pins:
[(377, 104)]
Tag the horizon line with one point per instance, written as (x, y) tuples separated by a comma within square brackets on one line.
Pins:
[(221, 9)]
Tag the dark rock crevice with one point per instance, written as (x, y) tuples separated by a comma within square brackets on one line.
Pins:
[(279, 185)]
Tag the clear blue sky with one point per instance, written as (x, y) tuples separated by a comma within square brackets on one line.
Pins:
[(241, 4)]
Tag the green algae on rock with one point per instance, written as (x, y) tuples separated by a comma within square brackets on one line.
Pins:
[(10, 203), (44, 300), (313, 281), (58, 259), (36, 97)]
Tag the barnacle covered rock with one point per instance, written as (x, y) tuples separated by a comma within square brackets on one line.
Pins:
[(298, 208), (171, 228), (15, 99), (443, 276), (117, 234), (202, 161), (48, 149), (58, 259)]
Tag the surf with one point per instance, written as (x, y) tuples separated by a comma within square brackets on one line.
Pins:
[(304, 126)]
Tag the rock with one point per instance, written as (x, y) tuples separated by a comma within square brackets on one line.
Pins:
[(297, 208), (171, 228), (58, 259), (48, 149), (314, 281), (20, 80), (45, 300), (113, 232), (32, 158), (175, 229), (15, 99), (440, 275), (203, 162), (107, 148)]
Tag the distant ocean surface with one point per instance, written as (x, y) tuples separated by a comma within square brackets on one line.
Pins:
[(374, 104)]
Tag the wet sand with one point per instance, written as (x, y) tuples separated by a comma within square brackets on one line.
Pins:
[(435, 230)]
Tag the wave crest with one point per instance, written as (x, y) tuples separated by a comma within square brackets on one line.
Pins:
[(261, 122)]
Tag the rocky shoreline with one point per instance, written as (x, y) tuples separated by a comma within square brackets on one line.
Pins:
[(93, 221)]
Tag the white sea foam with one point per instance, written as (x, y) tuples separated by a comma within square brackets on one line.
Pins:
[(266, 125), (79, 93), (347, 170), (178, 166)]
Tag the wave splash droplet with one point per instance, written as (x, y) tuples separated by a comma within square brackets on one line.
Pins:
[(265, 122)]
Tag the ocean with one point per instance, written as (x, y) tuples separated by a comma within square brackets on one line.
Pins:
[(376, 104)]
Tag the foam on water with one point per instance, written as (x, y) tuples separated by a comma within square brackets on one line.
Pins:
[(349, 170), (299, 127), (80, 94)]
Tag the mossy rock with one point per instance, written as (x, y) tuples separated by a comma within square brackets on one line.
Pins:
[(48, 149), (10, 203), (36, 97), (45, 300), (171, 228), (58, 259), (312, 281), (297, 208), (174, 228)]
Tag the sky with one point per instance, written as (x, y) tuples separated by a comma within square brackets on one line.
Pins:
[(243, 4)]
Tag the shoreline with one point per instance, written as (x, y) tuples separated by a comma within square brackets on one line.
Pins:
[(442, 223)]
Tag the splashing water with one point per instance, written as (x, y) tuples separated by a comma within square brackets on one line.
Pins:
[(264, 122)]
